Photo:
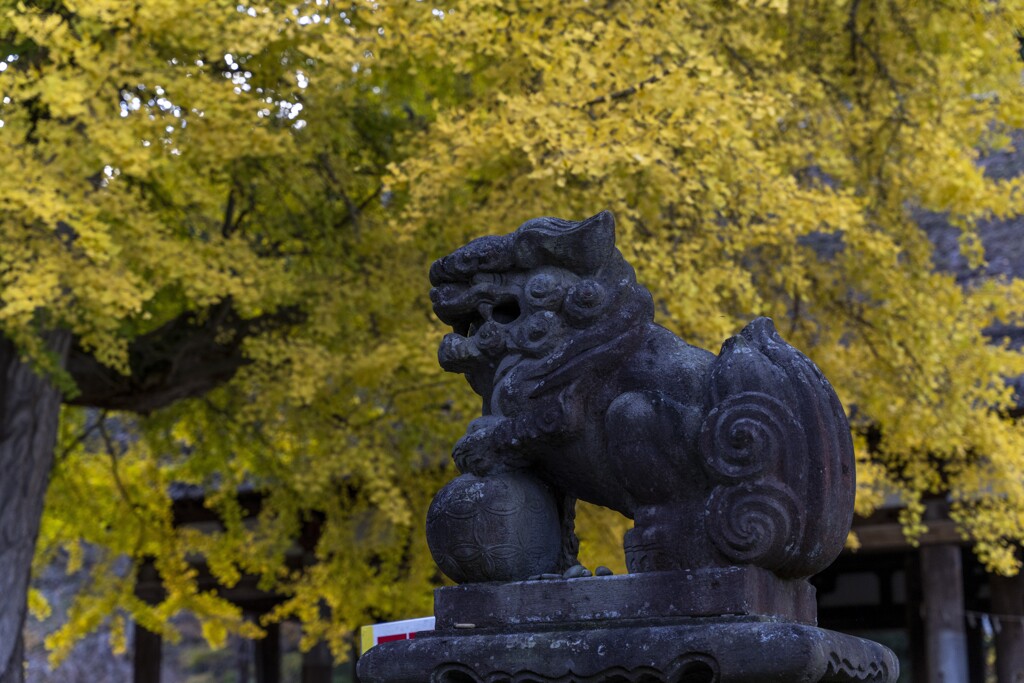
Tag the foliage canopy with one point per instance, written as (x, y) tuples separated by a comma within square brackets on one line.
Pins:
[(762, 157)]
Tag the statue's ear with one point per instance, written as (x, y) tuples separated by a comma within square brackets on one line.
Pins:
[(579, 246)]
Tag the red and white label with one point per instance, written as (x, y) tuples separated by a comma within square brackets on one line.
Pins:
[(393, 630)]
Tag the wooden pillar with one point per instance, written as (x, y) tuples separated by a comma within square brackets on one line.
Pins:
[(977, 666), (147, 656), (1008, 600), (915, 668), (243, 659), (317, 664), (268, 656), (943, 605)]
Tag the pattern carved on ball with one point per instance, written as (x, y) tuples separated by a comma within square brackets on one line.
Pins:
[(499, 528), (754, 523), (748, 434)]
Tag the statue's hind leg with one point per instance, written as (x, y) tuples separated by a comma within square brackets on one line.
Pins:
[(651, 447), (668, 537)]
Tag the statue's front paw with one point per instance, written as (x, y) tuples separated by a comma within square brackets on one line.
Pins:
[(474, 454)]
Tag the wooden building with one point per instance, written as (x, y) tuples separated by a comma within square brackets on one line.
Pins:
[(265, 665), (934, 604)]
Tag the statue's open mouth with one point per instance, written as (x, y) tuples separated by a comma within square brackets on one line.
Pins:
[(467, 327), (478, 318), (468, 310)]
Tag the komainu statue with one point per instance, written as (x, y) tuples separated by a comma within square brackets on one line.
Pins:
[(740, 459), (736, 469)]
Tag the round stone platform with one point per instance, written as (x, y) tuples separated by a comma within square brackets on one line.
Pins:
[(735, 625), (722, 650)]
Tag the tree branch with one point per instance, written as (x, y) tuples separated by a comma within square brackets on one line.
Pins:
[(626, 92), (184, 358)]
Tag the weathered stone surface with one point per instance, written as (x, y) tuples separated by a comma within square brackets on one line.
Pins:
[(744, 458), (688, 651), (736, 591), (737, 471)]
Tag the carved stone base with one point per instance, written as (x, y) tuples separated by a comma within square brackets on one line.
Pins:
[(631, 629), (732, 591), (700, 651)]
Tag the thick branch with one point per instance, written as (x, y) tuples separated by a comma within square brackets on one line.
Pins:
[(184, 358)]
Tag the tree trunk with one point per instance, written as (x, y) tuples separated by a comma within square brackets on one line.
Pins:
[(29, 412)]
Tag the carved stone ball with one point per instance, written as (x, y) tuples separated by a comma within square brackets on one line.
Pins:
[(497, 528)]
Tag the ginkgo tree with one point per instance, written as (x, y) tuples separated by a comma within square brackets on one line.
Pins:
[(217, 220)]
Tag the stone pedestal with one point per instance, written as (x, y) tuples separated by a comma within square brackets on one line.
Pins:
[(738, 625), (737, 471)]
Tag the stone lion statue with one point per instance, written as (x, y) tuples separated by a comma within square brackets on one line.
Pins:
[(740, 458)]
